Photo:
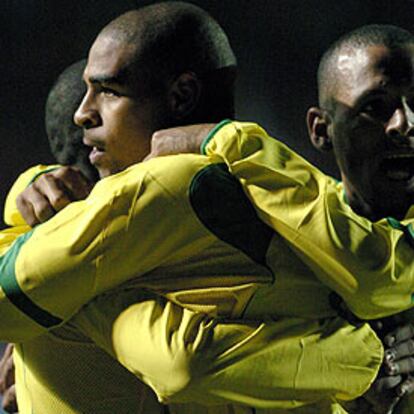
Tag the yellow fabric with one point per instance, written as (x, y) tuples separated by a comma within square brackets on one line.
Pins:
[(228, 348), (65, 373), (369, 264), (82, 252), (176, 351), (186, 356)]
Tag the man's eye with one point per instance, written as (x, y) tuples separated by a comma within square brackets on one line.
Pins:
[(378, 109), (109, 92)]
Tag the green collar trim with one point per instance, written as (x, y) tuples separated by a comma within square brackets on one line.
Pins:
[(211, 134), (395, 224)]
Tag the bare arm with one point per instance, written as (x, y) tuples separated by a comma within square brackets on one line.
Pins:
[(187, 356), (179, 140)]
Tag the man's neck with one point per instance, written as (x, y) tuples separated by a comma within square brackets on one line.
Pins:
[(368, 210), (356, 202)]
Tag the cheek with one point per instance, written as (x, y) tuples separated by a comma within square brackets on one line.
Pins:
[(363, 139)]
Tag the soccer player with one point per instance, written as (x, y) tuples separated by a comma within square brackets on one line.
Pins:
[(41, 385), (247, 294), (49, 367), (365, 115)]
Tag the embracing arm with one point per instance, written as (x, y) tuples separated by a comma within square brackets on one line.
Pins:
[(369, 264), (53, 270), (187, 356)]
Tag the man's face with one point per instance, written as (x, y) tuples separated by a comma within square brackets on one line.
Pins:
[(117, 115), (372, 128)]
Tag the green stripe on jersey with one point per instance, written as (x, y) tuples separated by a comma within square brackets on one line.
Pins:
[(14, 293)]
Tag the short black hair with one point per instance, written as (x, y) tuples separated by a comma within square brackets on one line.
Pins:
[(65, 138), (174, 37), (390, 36)]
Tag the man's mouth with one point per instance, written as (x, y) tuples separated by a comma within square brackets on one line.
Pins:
[(398, 167)]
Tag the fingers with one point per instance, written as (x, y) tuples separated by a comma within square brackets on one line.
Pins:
[(34, 207), (73, 182), (6, 369), (406, 387), (9, 402), (400, 350), (399, 358), (403, 366), (399, 335), (387, 383), (50, 193), (383, 395), (394, 379), (7, 387)]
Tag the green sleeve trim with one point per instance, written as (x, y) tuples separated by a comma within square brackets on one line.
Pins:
[(211, 134), (36, 176), (14, 293)]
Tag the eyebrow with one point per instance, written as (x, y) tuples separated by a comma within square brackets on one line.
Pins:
[(106, 79), (120, 78)]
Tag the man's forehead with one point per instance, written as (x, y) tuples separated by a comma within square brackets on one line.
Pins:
[(351, 58), (109, 57), (360, 68)]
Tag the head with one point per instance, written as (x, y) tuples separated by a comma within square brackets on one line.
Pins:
[(366, 116), (161, 66), (65, 138)]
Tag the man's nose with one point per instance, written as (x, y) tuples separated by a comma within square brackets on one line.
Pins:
[(400, 127), (87, 115)]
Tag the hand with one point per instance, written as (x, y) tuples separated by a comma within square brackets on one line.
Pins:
[(186, 139), (399, 357), (50, 193), (394, 380), (7, 387)]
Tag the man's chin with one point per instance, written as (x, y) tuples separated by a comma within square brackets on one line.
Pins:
[(393, 203), (103, 173), (106, 172)]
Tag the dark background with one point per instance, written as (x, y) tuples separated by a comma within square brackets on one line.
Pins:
[(278, 44)]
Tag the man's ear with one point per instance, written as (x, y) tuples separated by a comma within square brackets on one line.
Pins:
[(318, 129), (184, 95)]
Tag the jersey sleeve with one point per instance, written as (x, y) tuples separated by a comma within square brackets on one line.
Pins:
[(185, 356), (368, 264), (12, 216), (58, 266)]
